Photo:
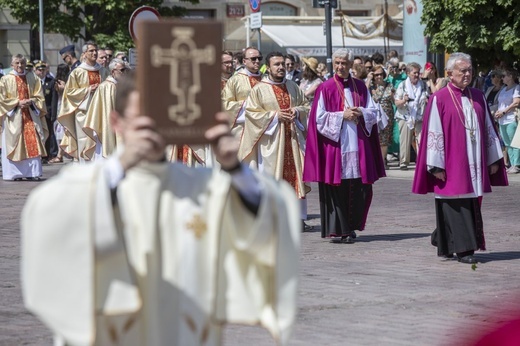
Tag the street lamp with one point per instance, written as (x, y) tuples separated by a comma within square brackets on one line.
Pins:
[(328, 5), (41, 30)]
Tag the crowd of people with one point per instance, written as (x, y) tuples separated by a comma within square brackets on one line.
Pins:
[(269, 103), (286, 118)]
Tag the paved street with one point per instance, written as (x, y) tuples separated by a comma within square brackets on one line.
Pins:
[(389, 288)]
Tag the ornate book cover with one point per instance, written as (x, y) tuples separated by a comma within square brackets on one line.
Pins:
[(178, 76)]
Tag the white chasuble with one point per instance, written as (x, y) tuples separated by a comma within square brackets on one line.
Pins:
[(188, 257)]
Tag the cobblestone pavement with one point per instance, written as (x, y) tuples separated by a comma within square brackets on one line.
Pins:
[(388, 288)]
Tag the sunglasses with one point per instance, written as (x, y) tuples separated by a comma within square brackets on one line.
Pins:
[(109, 56), (255, 58), (402, 69)]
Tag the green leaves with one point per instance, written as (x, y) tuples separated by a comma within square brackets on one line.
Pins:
[(486, 29), (105, 21)]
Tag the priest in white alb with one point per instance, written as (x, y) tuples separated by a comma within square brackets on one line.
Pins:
[(238, 87), (275, 128), (153, 253), (81, 85), (101, 139), (23, 126)]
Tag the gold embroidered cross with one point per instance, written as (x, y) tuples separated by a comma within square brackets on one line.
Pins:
[(197, 225)]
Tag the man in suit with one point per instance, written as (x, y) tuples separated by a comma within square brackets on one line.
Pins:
[(40, 69), (292, 72)]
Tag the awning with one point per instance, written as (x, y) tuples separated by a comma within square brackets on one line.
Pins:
[(310, 39)]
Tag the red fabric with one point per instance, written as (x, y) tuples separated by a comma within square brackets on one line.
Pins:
[(28, 128)]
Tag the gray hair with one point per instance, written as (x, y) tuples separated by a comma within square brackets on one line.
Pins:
[(19, 57), (450, 64), (114, 63), (411, 66), (393, 61), (88, 43), (343, 53)]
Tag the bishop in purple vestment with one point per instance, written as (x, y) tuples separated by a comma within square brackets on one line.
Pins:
[(460, 159), (342, 151)]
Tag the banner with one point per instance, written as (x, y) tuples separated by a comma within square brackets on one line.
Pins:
[(367, 28), (322, 51), (414, 41)]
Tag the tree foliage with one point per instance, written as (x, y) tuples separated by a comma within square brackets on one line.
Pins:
[(488, 30), (104, 21)]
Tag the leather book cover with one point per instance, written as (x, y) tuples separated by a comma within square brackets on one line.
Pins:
[(178, 76)]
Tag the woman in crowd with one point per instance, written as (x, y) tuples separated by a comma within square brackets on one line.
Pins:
[(431, 78), (493, 91), (492, 101), (359, 71), (62, 74), (311, 80), (323, 72), (508, 102), (383, 93)]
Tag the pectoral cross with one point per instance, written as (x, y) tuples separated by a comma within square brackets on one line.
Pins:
[(184, 59)]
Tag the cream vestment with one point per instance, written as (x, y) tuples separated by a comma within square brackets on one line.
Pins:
[(186, 258)]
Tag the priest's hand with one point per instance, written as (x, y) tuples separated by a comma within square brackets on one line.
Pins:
[(225, 145), (25, 103), (287, 115), (440, 175), (93, 87), (142, 142), (352, 114), (493, 169)]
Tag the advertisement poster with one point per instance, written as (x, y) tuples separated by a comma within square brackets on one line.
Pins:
[(414, 42)]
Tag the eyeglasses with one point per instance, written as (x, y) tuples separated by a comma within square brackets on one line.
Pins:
[(122, 70), (466, 70), (378, 74), (255, 58)]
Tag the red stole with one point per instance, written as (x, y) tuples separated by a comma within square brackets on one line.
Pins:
[(28, 128), (289, 168)]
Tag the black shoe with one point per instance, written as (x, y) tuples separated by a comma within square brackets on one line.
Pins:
[(305, 227), (33, 178), (335, 240), (348, 239), (450, 255), (468, 259)]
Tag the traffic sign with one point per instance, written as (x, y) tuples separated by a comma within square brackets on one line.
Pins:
[(255, 5), (256, 20), (132, 57), (142, 13)]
